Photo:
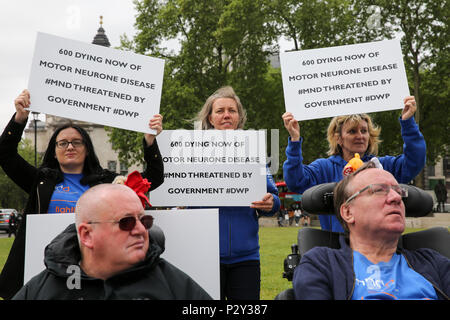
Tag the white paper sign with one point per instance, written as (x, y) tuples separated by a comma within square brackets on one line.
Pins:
[(191, 242), (359, 78), (211, 168), (88, 82)]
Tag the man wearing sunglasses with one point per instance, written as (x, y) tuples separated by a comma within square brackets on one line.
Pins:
[(107, 255), (369, 265)]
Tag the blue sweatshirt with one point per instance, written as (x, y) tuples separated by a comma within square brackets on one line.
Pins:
[(238, 229), (328, 274), (404, 168)]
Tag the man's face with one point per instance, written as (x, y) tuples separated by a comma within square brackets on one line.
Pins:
[(372, 212), (113, 247)]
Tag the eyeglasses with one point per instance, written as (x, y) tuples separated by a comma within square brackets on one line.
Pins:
[(382, 189), (63, 144), (128, 223)]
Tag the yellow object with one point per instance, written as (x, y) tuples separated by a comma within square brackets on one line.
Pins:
[(352, 165)]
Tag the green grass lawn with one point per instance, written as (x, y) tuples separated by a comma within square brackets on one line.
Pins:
[(5, 246), (275, 245)]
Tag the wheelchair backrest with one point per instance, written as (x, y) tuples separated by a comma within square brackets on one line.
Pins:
[(319, 200)]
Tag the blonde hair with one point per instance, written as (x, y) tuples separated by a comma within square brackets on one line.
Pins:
[(202, 119), (335, 131)]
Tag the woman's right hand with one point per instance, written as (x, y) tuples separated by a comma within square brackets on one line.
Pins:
[(22, 103), (292, 126), (155, 123)]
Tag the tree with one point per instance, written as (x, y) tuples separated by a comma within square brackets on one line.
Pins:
[(314, 23), (221, 43), (423, 28), (11, 196), (435, 121)]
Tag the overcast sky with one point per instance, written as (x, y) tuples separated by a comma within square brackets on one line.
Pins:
[(20, 20)]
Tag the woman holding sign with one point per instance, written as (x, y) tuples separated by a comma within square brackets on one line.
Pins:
[(240, 273), (69, 167), (348, 135)]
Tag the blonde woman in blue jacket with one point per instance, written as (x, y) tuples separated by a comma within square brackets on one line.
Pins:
[(240, 272), (348, 135)]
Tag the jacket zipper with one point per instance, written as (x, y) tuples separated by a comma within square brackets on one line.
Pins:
[(354, 280)]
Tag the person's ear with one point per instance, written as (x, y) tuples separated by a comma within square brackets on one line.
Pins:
[(85, 234), (338, 139), (347, 214)]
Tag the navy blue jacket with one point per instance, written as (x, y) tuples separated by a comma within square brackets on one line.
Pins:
[(238, 229), (328, 274)]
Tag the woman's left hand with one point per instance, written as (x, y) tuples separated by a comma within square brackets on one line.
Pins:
[(409, 108), (156, 124), (266, 204)]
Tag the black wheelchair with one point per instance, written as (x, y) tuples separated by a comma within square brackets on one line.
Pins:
[(319, 200)]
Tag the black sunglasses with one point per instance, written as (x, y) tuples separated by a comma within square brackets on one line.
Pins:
[(129, 222)]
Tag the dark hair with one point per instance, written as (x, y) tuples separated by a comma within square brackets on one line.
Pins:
[(91, 163), (341, 194)]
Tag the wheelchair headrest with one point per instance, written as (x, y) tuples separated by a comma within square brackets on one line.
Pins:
[(418, 203), (319, 200), (157, 235)]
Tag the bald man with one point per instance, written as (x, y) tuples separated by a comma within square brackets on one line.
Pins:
[(107, 255)]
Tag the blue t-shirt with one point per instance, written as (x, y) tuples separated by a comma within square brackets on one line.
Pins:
[(66, 194), (393, 280)]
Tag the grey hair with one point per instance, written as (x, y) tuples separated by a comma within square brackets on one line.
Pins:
[(201, 121)]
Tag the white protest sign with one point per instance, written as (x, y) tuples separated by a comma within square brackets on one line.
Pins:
[(191, 242), (186, 232), (211, 168), (88, 82), (358, 78)]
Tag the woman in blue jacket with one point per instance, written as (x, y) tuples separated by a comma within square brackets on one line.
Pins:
[(348, 135), (240, 273)]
